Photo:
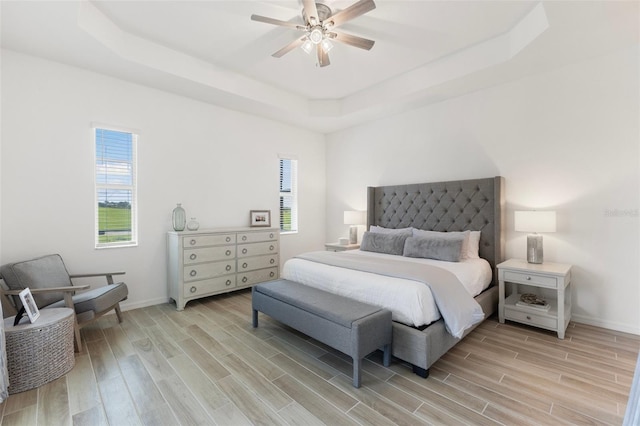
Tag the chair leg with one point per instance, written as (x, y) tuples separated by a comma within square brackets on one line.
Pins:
[(118, 313)]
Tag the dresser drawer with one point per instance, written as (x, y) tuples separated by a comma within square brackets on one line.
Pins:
[(526, 278), (253, 237), (254, 277), (257, 249), (531, 318), (208, 254), (258, 262), (208, 270), (208, 286), (208, 240)]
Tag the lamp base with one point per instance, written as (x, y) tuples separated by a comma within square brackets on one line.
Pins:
[(534, 248), (353, 235)]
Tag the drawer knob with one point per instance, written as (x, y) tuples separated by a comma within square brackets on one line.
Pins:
[(271, 247), (244, 251), (244, 265), (228, 239), (528, 317), (244, 279), (193, 289), (228, 283), (272, 274), (193, 256), (272, 261), (192, 242), (528, 278), (228, 252), (271, 235), (193, 273), (228, 268), (244, 238)]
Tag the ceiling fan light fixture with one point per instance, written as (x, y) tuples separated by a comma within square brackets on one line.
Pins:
[(326, 45), (316, 35), (307, 46)]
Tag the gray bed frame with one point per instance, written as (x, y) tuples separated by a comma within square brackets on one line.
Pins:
[(476, 205)]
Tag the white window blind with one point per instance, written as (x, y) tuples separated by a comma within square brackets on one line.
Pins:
[(115, 188), (288, 195)]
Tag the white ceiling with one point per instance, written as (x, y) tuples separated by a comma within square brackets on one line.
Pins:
[(425, 51)]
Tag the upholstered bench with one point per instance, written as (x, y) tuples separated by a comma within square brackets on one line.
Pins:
[(352, 327)]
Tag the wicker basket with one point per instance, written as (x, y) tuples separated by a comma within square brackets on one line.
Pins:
[(40, 352)]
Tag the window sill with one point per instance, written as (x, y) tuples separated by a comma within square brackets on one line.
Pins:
[(100, 247), (288, 232)]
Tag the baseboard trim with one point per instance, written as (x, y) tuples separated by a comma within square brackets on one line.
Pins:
[(143, 304), (611, 325)]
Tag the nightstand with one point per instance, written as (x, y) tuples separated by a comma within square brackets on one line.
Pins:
[(341, 247), (552, 281)]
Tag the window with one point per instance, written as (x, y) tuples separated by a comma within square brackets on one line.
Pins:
[(115, 188), (288, 195)]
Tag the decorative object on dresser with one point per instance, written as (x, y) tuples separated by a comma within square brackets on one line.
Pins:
[(554, 278), (341, 247), (193, 224), (354, 218), (534, 222), (207, 262), (260, 218), (179, 218)]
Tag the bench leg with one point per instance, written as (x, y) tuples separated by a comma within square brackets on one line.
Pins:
[(386, 357), (356, 372), (255, 318)]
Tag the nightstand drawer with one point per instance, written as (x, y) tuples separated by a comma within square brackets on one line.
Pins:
[(531, 318), (532, 279)]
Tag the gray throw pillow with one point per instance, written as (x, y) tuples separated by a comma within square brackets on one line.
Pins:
[(383, 243), (448, 249)]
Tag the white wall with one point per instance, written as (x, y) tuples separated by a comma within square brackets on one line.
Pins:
[(218, 163), (565, 140)]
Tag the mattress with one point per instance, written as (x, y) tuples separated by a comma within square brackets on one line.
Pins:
[(410, 302)]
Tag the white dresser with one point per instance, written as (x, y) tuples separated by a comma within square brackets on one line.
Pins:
[(213, 261)]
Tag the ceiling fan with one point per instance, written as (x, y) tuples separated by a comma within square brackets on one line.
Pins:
[(319, 22)]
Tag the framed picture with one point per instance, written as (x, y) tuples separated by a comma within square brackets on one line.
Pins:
[(260, 218), (29, 304)]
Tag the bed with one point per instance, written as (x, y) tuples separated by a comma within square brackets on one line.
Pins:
[(452, 206)]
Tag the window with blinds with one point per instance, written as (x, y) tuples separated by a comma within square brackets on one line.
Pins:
[(115, 188), (288, 195)]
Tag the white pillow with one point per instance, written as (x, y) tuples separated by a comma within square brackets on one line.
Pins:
[(464, 253), (381, 230), (473, 249)]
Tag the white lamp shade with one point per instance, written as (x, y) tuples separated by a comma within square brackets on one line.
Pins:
[(535, 221), (352, 217)]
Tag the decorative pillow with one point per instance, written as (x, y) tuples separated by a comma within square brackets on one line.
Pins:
[(381, 230), (447, 235), (384, 243), (473, 249), (437, 248)]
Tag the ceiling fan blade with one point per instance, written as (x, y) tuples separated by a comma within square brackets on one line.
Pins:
[(323, 57), (275, 22), (355, 41), (311, 10), (288, 48), (353, 11)]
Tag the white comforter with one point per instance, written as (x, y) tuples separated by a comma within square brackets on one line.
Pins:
[(410, 302)]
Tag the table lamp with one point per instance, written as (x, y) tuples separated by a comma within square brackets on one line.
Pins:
[(534, 222), (354, 218)]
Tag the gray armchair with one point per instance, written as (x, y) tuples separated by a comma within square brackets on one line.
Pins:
[(51, 286)]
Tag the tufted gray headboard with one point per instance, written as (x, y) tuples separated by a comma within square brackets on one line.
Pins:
[(475, 204)]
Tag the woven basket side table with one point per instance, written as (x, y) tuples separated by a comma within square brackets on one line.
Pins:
[(40, 352)]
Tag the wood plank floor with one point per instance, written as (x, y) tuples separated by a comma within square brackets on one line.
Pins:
[(206, 365)]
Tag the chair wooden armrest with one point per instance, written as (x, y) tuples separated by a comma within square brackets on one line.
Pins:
[(69, 289), (109, 275)]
